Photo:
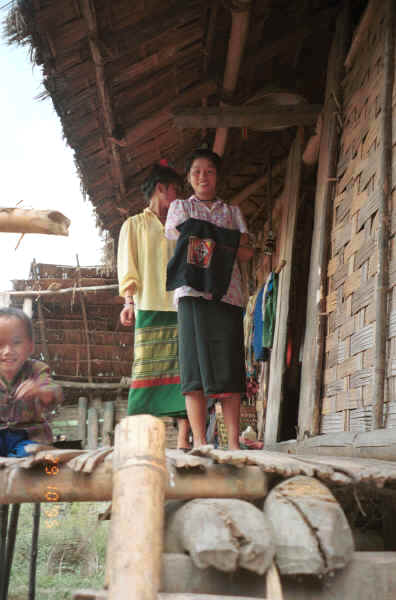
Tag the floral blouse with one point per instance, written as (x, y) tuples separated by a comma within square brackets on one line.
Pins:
[(221, 214)]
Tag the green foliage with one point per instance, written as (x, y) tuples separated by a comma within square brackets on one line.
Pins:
[(71, 554)]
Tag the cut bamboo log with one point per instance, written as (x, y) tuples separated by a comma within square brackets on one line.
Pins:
[(19, 220), (82, 420), (104, 595), (138, 505), (217, 481)]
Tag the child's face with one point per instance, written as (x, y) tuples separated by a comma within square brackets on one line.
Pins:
[(15, 346), (203, 178)]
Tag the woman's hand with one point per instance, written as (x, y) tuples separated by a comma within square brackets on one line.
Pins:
[(245, 251), (127, 316)]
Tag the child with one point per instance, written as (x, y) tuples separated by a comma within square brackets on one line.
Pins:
[(27, 393), (211, 352)]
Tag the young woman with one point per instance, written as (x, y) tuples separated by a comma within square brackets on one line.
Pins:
[(143, 253), (211, 353)]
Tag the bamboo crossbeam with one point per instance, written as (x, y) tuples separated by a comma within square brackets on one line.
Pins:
[(267, 117), (84, 385), (89, 13), (19, 485), (91, 288)]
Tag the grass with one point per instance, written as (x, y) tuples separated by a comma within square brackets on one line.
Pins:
[(71, 552)]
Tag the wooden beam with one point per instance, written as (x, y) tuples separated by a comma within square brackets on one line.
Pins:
[(267, 116), (146, 126), (291, 201), (217, 481), (88, 10), (379, 444), (312, 364), (384, 201), (19, 220)]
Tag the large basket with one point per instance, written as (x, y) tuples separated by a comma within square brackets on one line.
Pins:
[(248, 417)]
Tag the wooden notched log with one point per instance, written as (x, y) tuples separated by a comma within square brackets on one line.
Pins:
[(19, 220), (311, 533), (225, 534)]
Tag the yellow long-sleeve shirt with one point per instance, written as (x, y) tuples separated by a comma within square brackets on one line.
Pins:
[(143, 255)]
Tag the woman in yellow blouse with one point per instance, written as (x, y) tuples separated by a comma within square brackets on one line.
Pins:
[(143, 255)]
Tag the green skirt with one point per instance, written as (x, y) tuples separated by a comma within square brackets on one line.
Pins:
[(155, 387)]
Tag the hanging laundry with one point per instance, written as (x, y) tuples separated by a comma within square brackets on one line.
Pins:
[(269, 313)]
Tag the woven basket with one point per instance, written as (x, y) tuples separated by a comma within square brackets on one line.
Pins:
[(248, 417)]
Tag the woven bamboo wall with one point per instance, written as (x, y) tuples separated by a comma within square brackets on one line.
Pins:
[(348, 377)]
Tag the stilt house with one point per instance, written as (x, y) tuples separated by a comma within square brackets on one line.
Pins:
[(299, 99)]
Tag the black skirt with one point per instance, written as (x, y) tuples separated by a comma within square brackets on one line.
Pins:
[(211, 349)]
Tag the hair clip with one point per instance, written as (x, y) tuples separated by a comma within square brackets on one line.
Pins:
[(163, 162)]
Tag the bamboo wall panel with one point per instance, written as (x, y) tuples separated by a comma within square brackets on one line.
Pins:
[(352, 269)]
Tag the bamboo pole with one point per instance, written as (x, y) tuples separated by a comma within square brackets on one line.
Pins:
[(83, 385), (88, 288), (20, 485), (82, 420), (139, 457), (12, 529), (89, 12), (311, 376), (93, 428), (108, 423), (384, 201), (3, 543), (34, 550)]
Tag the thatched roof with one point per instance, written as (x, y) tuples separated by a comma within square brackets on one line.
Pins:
[(116, 70)]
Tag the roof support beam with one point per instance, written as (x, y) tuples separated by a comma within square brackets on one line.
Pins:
[(88, 10), (146, 126), (267, 117)]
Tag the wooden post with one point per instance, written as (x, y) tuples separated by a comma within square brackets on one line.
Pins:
[(12, 530), (291, 197), (108, 423), (139, 479), (82, 420), (311, 377), (384, 201), (93, 428)]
